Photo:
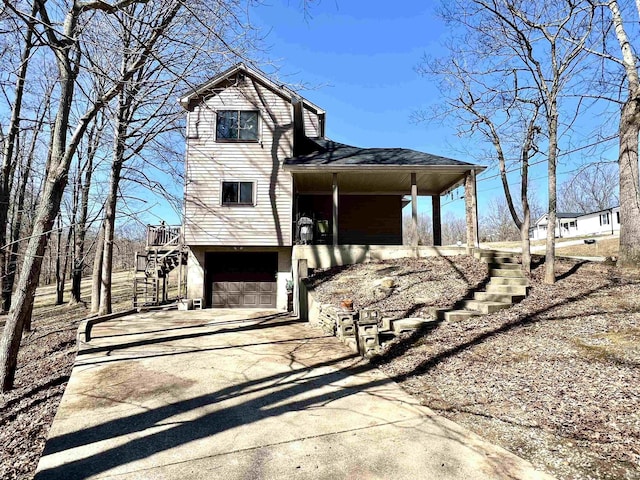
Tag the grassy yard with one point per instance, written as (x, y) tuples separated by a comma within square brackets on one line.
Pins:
[(606, 247)]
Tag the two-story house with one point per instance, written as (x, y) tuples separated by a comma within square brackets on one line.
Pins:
[(259, 168)]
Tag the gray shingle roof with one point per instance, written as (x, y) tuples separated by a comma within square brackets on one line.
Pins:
[(327, 152)]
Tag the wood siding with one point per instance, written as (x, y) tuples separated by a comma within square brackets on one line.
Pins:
[(209, 163), (311, 124)]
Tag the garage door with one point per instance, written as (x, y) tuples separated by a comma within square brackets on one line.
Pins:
[(242, 280), (244, 294)]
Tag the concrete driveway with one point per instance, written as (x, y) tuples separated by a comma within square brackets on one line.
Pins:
[(237, 394)]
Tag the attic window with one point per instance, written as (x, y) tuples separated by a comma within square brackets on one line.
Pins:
[(237, 126)]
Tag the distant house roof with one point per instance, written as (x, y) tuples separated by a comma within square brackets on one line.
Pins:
[(572, 215), (543, 219), (327, 153)]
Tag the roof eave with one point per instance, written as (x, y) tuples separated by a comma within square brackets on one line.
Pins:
[(354, 168)]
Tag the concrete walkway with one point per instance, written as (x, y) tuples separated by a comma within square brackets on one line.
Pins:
[(213, 394)]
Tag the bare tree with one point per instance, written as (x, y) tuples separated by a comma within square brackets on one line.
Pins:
[(146, 113), (424, 231), (9, 153), (65, 47), (162, 33), (628, 130), (593, 187), (454, 229), (498, 222), (24, 169), (82, 189), (134, 35), (504, 79)]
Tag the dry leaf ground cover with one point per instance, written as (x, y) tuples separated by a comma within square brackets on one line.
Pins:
[(555, 379), (44, 365)]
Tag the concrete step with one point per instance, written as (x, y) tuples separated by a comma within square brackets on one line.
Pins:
[(509, 281), (502, 259), (510, 289), (498, 297), (402, 325), (386, 323), (505, 272), (505, 266), (482, 254), (485, 307), (459, 315)]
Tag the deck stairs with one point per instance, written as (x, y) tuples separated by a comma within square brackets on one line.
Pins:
[(165, 251)]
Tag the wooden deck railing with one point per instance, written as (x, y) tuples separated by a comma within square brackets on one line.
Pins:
[(163, 235)]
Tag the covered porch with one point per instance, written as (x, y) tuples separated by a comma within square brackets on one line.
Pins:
[(346, 195)]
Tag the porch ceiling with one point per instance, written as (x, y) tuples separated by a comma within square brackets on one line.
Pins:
[(435, 181)]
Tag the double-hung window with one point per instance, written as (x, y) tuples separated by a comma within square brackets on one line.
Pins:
[(237, 126), (237, 193), (604, 219)]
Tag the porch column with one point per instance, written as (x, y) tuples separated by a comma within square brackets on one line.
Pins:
[(471, 210), (414, 209), (336, 195), (437, 220)]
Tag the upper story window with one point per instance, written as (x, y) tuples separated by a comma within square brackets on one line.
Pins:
[(237, 125), (237, 193)]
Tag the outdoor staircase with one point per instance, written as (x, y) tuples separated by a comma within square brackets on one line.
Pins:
[(164, 252), (506, 285)]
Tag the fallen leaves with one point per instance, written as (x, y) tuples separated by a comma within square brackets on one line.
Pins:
[(554, 378)]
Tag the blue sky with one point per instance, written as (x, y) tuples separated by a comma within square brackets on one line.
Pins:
[(357, 60)]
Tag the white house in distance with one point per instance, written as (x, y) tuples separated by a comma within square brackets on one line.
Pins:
[(601, 222), (258, 166)]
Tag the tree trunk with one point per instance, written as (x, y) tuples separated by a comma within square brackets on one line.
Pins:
[(28, 281), (526, 242), (109, 231), (97, 271), (17, 220), (8, 162), (550, 256), (54, 185), (121, 128), (65, 265), (81, 227), (629, 254), (59, 270)]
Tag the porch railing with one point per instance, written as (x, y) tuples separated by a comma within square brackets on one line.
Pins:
[(163, 236)]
